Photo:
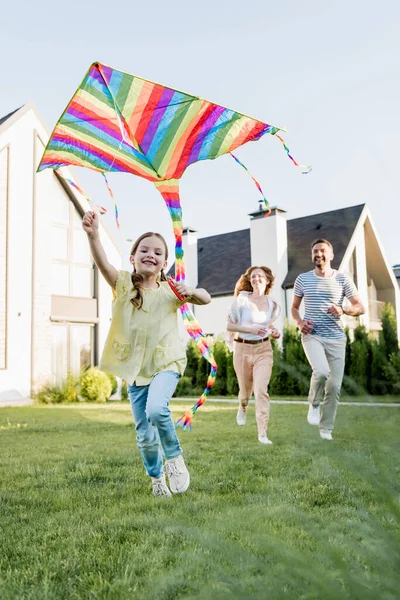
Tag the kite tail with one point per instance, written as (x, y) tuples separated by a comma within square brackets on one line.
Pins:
[(305, 169), (266, 203), (80, 191), (170, 192), (112, 198)]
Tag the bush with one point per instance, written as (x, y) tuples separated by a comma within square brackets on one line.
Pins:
[(392, 372), (220, 387), (114, 382), (388, 335), (232, 384), (193, 358), (124, 391), (95, 385), (56, 393), (184, 387)]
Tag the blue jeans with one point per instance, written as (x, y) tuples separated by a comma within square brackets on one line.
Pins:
[(155, 429)]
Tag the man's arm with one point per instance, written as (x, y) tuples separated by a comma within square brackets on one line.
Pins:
[(305, 326), (355, 309)]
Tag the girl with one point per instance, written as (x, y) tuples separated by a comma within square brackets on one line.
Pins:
[(143, 347), (250, 316)]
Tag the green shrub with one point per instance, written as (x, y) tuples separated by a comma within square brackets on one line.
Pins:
[(392, 372), (95, 385), (388, 335), (193, 358), (57, 393), (220, 350), (124, 391), (231, 379), (184, 387), (113, 381)]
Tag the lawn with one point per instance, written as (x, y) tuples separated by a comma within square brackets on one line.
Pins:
[(304, 518)]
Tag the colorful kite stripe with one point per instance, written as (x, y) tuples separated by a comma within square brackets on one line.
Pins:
[(119, 122)]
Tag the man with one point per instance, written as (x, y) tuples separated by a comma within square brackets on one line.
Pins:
[(323, 337)]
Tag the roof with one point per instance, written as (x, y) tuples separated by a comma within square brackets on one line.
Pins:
[(222, 259), (3, 119), (337, 226)]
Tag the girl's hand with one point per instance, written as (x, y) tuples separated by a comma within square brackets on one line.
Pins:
[(183, 289), (90, 223), (275, 334)]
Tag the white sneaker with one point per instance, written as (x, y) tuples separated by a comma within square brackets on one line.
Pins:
[(264, 439), (313, 416), (241, 416), (178, 475), (160, 487), (325, 434)]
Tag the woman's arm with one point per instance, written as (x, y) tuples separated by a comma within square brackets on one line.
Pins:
[(254, 329), (90, 224)]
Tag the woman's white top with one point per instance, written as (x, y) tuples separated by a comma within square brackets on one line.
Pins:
[(252, 316), (242, 313)]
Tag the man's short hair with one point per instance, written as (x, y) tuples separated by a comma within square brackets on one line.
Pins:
[(321, 241)]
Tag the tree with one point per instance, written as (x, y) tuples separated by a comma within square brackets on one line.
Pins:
[(232, 384), (388, 335), (220, 387), (193, 358)]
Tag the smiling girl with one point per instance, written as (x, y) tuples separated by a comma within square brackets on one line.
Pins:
[(144, 348), (251, 316)]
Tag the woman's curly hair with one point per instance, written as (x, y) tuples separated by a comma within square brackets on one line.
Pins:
[(137, 280), (244, 285)]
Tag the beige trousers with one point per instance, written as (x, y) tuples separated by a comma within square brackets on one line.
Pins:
[(326, 357), (253, 367)]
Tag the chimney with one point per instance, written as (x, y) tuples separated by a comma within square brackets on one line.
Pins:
[(268, 242), (189, 245)]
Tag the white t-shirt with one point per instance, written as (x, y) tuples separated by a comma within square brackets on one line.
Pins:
[(242, 313), (321, 292)]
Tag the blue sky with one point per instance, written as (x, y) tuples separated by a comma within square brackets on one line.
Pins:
[(328, 72)]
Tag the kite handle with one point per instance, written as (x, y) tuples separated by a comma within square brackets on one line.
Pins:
[(173, 288)]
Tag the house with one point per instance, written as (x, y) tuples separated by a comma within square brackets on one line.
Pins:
[(396, 270), (54, 308), (217, 262)]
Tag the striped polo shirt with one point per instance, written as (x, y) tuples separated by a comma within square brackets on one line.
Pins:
[(319, 293)]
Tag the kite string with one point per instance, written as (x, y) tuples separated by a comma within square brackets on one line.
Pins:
[(305, 168), (113, 199), (75, 186), (266, 203)]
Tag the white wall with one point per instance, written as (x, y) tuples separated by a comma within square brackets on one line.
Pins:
[(189, 246), (268, 238), (16, 378), (212, 317), (31, 198)]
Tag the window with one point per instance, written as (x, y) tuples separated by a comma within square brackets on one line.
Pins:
[(72, 349), (72, 264), (59, 352)]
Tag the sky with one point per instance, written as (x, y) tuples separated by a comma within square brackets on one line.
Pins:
[(326, 71)]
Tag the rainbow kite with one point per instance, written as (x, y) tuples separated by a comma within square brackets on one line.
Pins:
[(120, 122)]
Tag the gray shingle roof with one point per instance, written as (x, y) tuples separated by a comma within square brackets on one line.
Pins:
[(222, 259), (337, 226), (3, 119)]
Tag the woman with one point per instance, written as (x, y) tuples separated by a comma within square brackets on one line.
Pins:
[(251, 316)]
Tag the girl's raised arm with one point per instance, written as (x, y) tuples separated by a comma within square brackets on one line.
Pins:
[(90, 224)]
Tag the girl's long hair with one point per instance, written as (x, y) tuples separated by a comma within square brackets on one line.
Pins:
[(137, 280), (244, 285)]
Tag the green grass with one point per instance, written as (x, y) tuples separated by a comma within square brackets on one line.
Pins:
[(304, 518)]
